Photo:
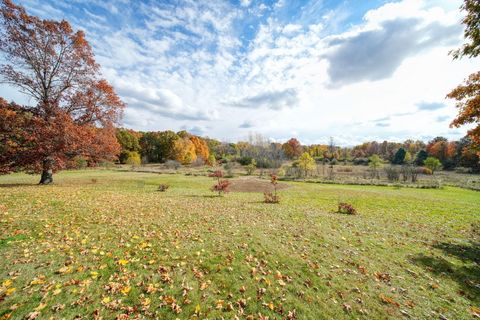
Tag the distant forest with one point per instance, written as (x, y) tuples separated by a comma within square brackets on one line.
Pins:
[(187, 149)]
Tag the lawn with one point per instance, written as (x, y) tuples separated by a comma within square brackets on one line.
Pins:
[(106, 244)]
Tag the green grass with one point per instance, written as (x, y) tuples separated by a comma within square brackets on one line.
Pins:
[(117, 246)]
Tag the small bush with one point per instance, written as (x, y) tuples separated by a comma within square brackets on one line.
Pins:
[(392, 173), (163, 187), (270, 197), (216, 174), (221, 187), (346, 208), (345, 169), (463, 170), (250, 168), (360, 161), (245, 161), (172, 164), (229, 168), (426, 171)]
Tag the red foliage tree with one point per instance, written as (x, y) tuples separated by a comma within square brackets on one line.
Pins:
[(292, 148), (75, 111)]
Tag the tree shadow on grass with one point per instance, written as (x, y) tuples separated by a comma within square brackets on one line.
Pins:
[(13, 185), (467, 275), (203, 196)]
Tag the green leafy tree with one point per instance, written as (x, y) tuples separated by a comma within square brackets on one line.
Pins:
[(306, 163), (375, 162), (129, 141), (433, 164), (471, 33)]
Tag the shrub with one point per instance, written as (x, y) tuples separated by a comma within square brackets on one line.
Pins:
[(199, 162), (81, 162), (163, 187), (251, 167), (392, 173), (360, 161), (245, 161), (346, 208), (463, 170), (269, 196), (229, 169), (345, 169), (425, 171), (222, 185), (172, 164), (216, 174), (334, 162)]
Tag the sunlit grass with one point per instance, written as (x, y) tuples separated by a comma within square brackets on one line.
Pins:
[(105, 243)]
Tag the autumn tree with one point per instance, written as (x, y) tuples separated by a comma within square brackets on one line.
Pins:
[(74, 112), (306, 163), (129, 142), (201, 148), (184, 151), (467, 95), (292, 148)]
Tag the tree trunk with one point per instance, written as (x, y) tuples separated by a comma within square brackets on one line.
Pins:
[(47, 173)]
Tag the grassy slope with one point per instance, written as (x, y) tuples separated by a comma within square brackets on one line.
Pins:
[(407, 252)]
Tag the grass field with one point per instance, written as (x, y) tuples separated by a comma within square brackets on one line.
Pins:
[(107, 244)]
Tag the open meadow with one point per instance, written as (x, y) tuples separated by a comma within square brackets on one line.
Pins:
[(106, 244)]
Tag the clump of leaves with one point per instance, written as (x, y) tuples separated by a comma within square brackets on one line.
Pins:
[(163, 187), (269, 196), (222, 185), (346, 208)]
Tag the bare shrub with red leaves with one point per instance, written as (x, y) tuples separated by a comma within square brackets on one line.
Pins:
[(222, 185), (346, 208)]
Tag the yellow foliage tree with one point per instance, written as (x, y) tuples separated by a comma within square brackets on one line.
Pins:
[(306, 163), (201, 148), (184, 151)]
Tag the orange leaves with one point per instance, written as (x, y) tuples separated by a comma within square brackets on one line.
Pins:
[(69, 104), (201, 147), (468, 104), (384, 277), (388, 300)]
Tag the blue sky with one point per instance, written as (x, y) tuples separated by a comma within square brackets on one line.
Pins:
[(311, 69)]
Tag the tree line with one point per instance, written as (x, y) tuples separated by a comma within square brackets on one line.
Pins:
[(185, 148)]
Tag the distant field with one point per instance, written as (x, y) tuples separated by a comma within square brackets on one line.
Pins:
[(107, 244)]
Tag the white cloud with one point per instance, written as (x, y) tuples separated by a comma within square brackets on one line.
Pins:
[(245, 3), (220, 69)]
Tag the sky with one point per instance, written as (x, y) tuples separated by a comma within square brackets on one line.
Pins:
[(355, 70)]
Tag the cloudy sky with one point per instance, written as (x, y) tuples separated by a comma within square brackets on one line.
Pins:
[(311, 69)]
